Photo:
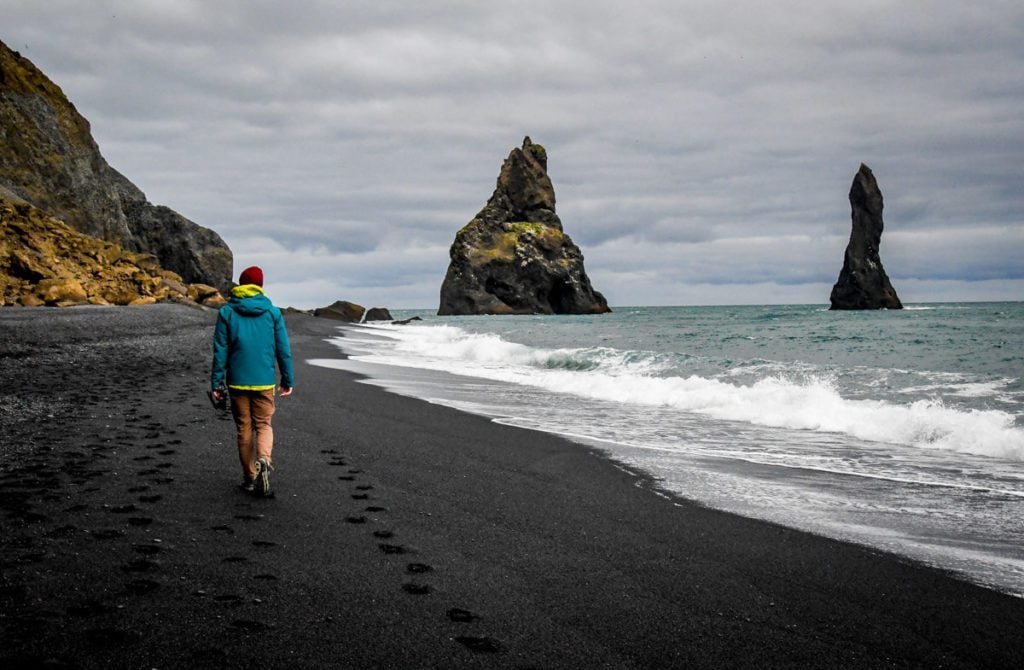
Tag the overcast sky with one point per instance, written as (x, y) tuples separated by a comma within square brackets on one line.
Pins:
[(701, 152)]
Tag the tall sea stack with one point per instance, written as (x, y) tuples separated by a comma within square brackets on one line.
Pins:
[(862, 283), (48, 158), (513, 257)]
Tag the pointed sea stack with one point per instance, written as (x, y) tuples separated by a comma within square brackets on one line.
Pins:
[(513, 257), (862, 283)]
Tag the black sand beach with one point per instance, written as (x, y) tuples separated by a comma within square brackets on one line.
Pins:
[(402, 535)]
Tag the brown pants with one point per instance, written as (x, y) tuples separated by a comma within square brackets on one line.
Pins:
[(252, 411)]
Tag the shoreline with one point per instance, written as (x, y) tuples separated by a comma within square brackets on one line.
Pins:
[(689, 474), (403, 534)]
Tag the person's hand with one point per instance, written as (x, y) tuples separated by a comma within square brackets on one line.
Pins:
[(286, 391), (218, 395)]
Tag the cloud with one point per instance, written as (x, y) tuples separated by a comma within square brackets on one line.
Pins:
[(702, 145)]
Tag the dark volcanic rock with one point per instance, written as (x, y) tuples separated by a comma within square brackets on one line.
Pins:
[(341, 310), (378, 314), (862, 282), (513, 257), (406, 322), (49, 159), (198, 254)]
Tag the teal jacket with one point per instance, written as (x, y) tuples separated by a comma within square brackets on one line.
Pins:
[(249, 337)]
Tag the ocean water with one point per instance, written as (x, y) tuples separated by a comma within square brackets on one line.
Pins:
[(900, 430)]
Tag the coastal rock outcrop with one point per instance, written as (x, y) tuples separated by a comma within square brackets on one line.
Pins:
[(43, 261), (48, 158), (378, 314), (514, 257), (406, 322), (341, 310), (862, 283)]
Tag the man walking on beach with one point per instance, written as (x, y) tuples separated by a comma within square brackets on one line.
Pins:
[(249, 337)]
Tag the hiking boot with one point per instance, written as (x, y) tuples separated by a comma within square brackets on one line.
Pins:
[(262, 484)]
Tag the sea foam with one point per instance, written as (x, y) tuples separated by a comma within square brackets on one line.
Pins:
[(802, 400)]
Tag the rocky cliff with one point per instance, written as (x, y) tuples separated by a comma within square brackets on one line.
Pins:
[(45, 262), (49, 159), (513, 257), (862, 282)]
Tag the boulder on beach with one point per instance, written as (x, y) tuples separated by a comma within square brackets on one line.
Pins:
[(862, 283), (341, 310), (378, 314), (49, 158), (514, 257)]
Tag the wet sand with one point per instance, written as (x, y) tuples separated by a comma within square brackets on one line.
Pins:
[(401, 535)]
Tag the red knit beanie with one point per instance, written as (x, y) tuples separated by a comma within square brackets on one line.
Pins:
[(253, 275)]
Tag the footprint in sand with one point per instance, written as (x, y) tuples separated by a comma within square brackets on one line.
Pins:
[(146, 549), (383, 534), (228, 598), (480, 645), (139, 521), (123, 509), (364, 487), (376, 508), (249, 517), (140, 565), (263, 543), (355, 519), (347, 478), (107, 534), (360, 496), (223, 528), (151, 499), (418, 568), (461, 616), (416, 589), (138, 587), (393, 548)]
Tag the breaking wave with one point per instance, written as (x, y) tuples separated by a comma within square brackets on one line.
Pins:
[(789, 396)]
